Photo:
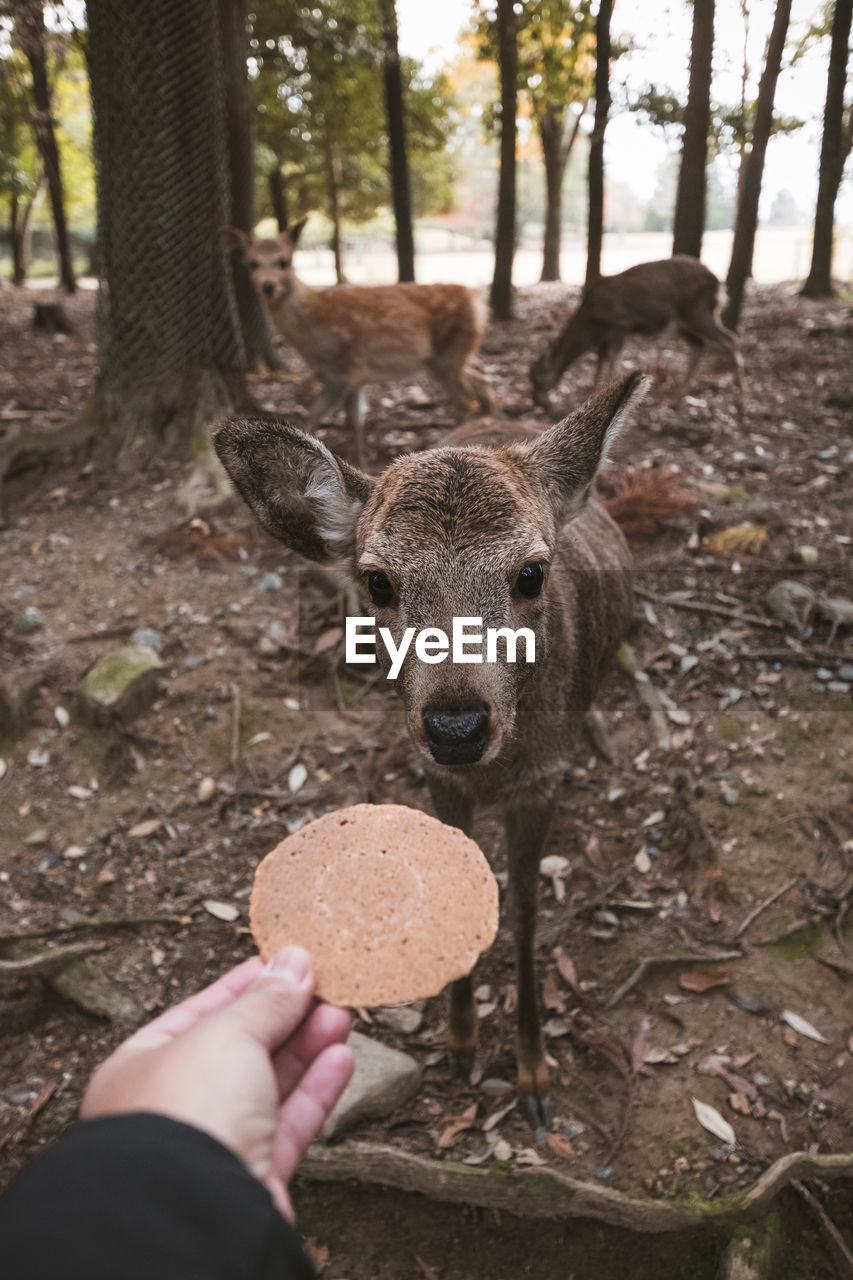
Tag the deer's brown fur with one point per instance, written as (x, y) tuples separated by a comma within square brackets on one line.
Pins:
[(645, 299), (353, 335), (451, 530)]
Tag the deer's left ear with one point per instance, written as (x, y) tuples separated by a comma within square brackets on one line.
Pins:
[(300, 492), (564, 459), (233, 238)]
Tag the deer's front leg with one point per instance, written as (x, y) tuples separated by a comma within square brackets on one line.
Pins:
[(456, 809), (526, 828)]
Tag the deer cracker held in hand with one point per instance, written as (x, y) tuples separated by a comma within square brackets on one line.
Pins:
[(352, 335), (509, 534), (644, 299)]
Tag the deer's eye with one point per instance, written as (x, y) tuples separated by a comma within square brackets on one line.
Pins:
[(530, 580), (253, 266), (381, 591), (283, 263)]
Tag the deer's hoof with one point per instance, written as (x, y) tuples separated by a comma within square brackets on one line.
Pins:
[(460, 1066), (539, 1114)]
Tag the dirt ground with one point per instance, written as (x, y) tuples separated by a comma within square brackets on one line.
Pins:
[(736, 840)]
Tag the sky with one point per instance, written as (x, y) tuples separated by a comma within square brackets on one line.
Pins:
[(661, 30)]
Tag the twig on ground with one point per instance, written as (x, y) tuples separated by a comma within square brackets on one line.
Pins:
[(596, 727), (91, 922), (45, 961), (843, 1256), (235, 725), (630, 663), (655, 962), (698, 606), (762, 906), (817, 656), (38, 1104)]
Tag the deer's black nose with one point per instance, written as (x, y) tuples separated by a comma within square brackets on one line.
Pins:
[(457, 737), (268, 286)]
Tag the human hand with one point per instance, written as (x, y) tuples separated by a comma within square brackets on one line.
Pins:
[(251, 1060)]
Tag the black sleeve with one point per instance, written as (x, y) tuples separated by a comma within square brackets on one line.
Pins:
[(139, 1197)]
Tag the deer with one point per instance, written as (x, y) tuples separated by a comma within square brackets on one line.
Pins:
[(645, 299), (352, 335), (508, 532)]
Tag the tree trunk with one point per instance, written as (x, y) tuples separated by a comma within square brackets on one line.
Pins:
[(31, 33), (832, 155), (747, 212), (689, 221), (19, 231), (278, 198), (398, 163), (170, 345), (501, 294), (551, 137), (238, 124), (595, 225), (333, 187)]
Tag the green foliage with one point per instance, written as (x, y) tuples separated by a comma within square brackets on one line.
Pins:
[(317, 87), (556, 51), (19, 165)]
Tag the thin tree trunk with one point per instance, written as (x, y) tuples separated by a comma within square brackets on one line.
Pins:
[(832, 155), (689, 220), (238, 126), (501, 293), (398, 162), (551, 137), (747, 212), (278, 198), (595, 225), (334, 212), (31, 30)]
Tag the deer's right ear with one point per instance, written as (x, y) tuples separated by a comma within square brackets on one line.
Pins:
[(232, 238), (300, 492)]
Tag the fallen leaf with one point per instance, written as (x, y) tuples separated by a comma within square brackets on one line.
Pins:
[(527, 1155), (804, 1028), (428, 1272), (701, 980), (560, 1145), (317, 1253), (327, 640), (640, 1047), (790, 1037), (456, 1125), (566, 966), (556, 1027), (715, 911), (496, 1116), (552, 996), (146, 828), (643, 862), (502, 1150), (297, 777), (710, 1119), (739, 1103), (740, 539), (657, 1057), (221, 910)]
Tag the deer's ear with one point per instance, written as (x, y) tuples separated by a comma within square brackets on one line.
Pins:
[(233, 238), (300, 492), (563, 460), (293, 233)]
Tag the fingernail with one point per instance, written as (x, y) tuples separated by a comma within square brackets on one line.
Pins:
[(293, 963)]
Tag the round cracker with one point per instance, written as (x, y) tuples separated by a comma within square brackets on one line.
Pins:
[(391, 903)]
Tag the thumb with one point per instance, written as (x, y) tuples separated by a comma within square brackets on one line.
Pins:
[(271, 1009)]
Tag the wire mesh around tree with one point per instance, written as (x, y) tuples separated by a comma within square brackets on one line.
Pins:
[(167, 300)]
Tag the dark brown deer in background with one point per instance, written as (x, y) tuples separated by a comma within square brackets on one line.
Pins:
[(644, 300), (511, 535)]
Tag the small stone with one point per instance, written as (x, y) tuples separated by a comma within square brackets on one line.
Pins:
[(760, 511), (32, 619), (271, 582), (493, 1087), (147, 637), (730, 796), (121, 684), (405, 1019), (206, 790), (221, 910), (61, 717), (846, 672), (838, 686), (297, 778), (808, 555), (267, 647), (383, 1080)]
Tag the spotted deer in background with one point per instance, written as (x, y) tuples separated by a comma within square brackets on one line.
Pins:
[(509, 533), (352, 335)]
